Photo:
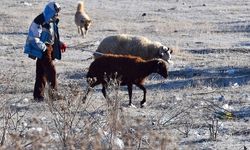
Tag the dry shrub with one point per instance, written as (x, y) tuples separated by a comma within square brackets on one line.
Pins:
[(16, 133), (89, 125), (124, 132)]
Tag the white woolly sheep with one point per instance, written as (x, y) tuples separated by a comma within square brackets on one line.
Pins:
[(124, 44), (82, 20)]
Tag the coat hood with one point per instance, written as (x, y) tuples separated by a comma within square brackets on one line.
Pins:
[(51, 10)]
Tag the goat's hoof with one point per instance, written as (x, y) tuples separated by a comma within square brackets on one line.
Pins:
[(143, 105), (84, 100), (132, 106)]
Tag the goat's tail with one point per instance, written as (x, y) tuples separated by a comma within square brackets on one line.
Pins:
[(80, 6)]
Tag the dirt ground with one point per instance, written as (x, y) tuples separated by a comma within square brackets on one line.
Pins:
[(210, 74)]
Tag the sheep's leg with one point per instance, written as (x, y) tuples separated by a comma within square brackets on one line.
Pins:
[(130, 93), (144, 92)]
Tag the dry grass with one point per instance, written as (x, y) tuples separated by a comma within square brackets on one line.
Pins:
[(211, 61), (77, 125)]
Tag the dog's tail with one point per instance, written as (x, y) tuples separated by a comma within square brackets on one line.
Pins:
[(80, 6)]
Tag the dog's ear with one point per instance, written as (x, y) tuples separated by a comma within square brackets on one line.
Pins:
[(89, 21)]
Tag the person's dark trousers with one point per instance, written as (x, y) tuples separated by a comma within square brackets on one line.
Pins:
[(45, 72)]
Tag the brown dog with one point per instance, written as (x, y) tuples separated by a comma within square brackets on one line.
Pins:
[(82, 20)]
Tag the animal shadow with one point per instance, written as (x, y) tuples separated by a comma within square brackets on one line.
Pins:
[(213, 77)]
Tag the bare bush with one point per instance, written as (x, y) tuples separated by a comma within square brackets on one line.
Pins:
[(78, 125), (15, 131)]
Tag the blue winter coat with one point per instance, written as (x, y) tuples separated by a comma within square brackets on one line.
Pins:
[(38, 36)]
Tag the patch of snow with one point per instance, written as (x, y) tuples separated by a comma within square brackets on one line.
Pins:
[(227, 107), (25, 100)]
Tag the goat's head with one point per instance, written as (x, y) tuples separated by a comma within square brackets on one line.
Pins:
[(162, 68), (165, 53), (91, 81)]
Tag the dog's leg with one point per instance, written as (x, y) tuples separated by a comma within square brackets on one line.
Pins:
[(86, 31), (82, 32), (78, 29), (86, 27)]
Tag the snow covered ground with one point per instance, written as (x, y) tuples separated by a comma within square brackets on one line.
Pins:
[(211, 70)]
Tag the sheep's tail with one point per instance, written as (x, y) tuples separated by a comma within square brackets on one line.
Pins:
[(80, 6), (98, 53)]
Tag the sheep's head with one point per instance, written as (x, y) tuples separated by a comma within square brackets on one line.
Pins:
[(165, 53), (162, 68)]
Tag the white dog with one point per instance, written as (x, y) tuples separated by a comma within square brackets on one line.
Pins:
[(82, 20)]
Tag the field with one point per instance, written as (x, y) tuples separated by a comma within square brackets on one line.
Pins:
[(204, 103)]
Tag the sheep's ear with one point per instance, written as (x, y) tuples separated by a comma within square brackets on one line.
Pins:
[(161, 52), (170, 50)]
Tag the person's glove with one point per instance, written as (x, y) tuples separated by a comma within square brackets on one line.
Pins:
[(63, 47)]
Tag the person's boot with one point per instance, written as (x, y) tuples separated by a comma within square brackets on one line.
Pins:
[(39, 99)]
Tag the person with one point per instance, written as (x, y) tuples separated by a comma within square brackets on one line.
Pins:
[(43, 44)]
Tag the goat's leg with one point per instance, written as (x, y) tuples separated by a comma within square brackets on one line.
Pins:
[(104, 90), (91, 85), (86, 94), (144, 92), (130, 94)]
